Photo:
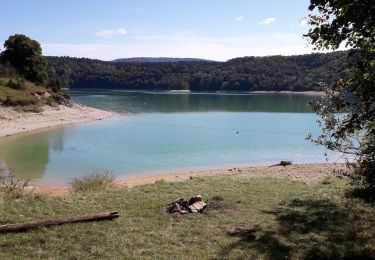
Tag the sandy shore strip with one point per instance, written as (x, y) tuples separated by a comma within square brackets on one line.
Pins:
[(13, 122), (306, 173), (301, 93)]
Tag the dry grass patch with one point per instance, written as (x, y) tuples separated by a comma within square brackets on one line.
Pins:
[(96, 181)]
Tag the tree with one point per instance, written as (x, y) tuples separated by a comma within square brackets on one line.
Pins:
[(25, 55), (348, 110)]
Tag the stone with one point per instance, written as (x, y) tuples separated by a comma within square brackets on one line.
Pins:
[(195, 199), (174, 208), (182, 206), (193, 209), (197, 206)]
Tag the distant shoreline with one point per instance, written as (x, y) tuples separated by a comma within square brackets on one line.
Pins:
[(13, 122), (186, 91)]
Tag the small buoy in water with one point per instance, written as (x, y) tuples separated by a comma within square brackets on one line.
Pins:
[(237, 132)]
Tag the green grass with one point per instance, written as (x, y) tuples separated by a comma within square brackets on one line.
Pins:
[(268, 219)]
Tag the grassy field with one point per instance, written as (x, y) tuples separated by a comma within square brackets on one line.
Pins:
[(256, 218)]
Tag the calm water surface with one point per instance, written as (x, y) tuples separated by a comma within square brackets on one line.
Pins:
[(156, 133)]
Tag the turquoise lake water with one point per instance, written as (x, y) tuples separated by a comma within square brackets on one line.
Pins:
[(155, 133)]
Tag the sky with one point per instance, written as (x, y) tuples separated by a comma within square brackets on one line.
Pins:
[(208, 29)]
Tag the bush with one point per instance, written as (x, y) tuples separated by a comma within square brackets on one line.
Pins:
[(96, 181), (14, 188), (3, 82), (54, 85), (20, 101), (16, 84)]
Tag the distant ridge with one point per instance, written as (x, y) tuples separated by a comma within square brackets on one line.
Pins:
[(272, 73), (160, 59)]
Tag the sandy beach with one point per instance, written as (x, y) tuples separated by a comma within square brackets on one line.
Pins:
[(306, 173), (13, 122)]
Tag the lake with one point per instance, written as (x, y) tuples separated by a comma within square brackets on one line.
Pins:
[(155, 133)]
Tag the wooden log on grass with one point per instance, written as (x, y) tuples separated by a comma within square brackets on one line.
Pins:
[(9, 228)]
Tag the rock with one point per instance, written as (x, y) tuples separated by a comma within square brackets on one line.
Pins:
[(193, 209), (197, 206), (182, 206), (174, 208), (195, 199)]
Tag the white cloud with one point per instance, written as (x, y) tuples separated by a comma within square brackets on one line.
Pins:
[(267, 20), (303, 22), (214, 48), (110, 33), (239, 18)]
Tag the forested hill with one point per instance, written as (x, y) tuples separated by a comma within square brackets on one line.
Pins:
[(295, 73), (159, 59)]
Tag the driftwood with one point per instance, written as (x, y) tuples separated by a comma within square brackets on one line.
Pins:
[(282, 163), (9, 228)]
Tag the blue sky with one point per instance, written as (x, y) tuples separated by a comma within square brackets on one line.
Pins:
[(109, 29)]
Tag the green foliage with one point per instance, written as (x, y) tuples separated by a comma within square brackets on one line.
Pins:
[(22, 58), (18, 83), (296, 73), (25, 55), (96, 181), (20, 100), (7, 71), (54, 85), (348, 109)]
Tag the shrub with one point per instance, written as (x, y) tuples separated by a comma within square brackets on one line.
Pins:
[(20, 101), (3, 82), (96, 181), (14, 188), (18, 84)]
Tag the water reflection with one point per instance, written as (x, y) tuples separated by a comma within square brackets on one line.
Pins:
[(138, 102), (28, 155)]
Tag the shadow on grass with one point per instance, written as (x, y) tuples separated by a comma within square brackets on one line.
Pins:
[(365, 194), (312, 229)]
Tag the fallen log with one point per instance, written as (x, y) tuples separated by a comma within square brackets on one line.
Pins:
[(282, 163), (10, 228)]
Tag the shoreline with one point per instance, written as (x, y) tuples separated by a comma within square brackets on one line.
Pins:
[(13, 122), (184, 91), (307, 173)]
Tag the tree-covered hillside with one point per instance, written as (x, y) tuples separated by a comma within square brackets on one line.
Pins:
[(295, 73), (159, 59), (24, 82)]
